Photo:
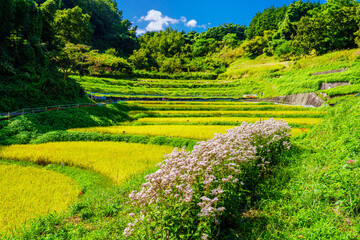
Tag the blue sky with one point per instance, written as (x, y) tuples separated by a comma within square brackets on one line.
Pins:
[(187, 15)]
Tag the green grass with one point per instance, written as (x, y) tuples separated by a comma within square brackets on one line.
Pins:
[(342, 90)]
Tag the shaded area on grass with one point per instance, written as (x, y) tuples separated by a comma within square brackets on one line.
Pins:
[(64, 136), (23, 129)]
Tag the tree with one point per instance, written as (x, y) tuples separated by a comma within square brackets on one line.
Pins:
[(71, 25), (190, 37), (71, 59), (140, 59), (268, 20), (48, 10), (6, 20), (109, 28), (171, 65), (330, 29), (218, 33), (100, 64), (230, 40), (294, 13), (258, 45), (203, 46)]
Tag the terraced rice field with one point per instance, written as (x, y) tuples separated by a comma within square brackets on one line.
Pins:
[(161, 87), (28, 192), (201, 120), (207, 113), (116, 160), (119, 160)]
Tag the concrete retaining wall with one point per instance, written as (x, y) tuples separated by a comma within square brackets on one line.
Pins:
[(332, 85), (330, 71), (308, 99)]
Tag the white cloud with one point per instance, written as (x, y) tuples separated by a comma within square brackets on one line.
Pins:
[(202, 26), (192, 23), (140, 31), (157, 21)]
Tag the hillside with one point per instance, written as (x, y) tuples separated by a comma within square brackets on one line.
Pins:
[(307, 74), (262, 77)]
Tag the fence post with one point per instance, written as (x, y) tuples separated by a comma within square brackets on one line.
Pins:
[(8, 115), (23, 111)]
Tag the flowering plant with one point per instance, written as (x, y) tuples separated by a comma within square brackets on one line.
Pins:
[(191, 190)]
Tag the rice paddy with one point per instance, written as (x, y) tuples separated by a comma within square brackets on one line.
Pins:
[(29, 192), (223, 107), (214, 120), (115, 160), (198, 132), (197, 103)]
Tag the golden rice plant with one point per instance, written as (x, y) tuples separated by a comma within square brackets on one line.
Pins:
[(219, 106), (232, 112), (117, 160), (200, 132), (202, 120), (29, 192), (196, 103)]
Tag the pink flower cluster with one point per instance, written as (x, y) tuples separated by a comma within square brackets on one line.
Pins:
[(214, 167)]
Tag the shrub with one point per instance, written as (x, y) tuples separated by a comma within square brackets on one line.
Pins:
[(191, 190), (185, 75)]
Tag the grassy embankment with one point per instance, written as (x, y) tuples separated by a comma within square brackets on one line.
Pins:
[(314, 192)]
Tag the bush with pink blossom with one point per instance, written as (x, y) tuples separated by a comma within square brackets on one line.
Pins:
[(186, 197)]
